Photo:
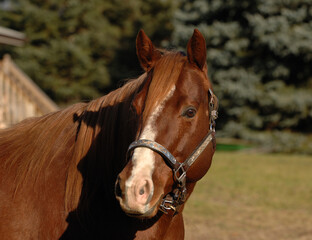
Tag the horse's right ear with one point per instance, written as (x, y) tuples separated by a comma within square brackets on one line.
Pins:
[(146, 51)]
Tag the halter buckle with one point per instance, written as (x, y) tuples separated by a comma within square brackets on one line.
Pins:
[(180, 195), (167, 204), (173, 200)]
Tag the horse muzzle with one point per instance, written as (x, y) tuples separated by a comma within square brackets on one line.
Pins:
[(135, 196)]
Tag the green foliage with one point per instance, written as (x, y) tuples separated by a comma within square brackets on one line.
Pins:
[(152, 16), (76, 49), (260, 57)]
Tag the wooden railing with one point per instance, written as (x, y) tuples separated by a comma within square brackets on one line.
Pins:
[(20, 97)]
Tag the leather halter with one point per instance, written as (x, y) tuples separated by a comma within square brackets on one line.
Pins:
[(177, 197)]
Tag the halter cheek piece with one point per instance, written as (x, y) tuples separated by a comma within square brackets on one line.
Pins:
[(174, 199)]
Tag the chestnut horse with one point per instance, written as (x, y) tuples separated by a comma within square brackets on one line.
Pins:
[(155, 135)]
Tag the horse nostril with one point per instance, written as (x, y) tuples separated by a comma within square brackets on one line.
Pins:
[(118, 191), (144, 191), (141, 191)]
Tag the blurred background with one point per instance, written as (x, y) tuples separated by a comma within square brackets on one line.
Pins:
[(259, 54)]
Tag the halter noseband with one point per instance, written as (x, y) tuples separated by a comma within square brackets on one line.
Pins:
[(177, 197)]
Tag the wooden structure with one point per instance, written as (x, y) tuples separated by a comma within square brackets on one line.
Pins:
[(11, 37), (20, 97)]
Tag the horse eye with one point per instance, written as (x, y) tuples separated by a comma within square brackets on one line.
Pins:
[(190, 112)]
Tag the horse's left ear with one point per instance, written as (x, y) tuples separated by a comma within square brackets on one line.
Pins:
[(196, 49)]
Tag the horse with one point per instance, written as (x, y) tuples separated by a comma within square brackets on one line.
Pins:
[(119, 167)]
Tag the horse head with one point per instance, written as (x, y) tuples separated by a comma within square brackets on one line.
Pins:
[(175, 140)]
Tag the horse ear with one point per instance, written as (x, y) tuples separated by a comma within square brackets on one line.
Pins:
[(196, 49), (146, 51)]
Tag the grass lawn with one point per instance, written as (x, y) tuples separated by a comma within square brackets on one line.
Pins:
[(251, 196)]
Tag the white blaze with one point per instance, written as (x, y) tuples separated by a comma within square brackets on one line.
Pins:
[(143, 158)]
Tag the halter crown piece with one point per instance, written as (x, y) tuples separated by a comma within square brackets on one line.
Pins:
[(174, 199)]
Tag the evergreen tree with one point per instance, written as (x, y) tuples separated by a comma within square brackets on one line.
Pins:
[(260, 58), (76, 48), (155, 17)]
